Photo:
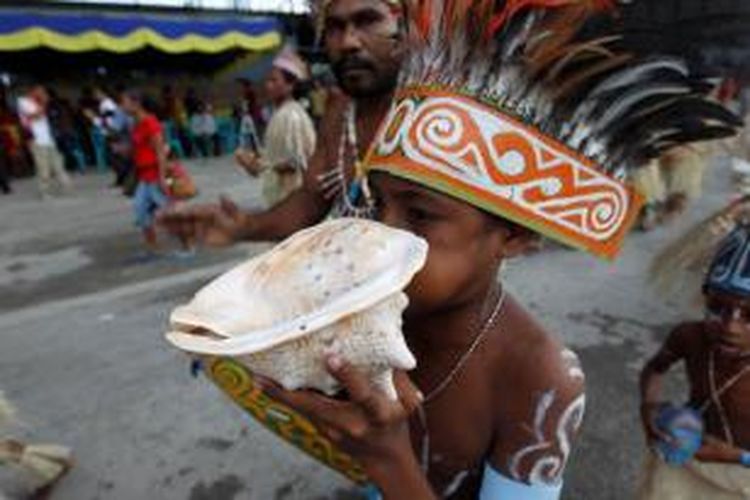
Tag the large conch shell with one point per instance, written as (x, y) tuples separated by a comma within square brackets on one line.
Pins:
[(333, 288)]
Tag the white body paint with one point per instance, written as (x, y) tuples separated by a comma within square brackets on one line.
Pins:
[(572, 363), (455, 484), (551, 454)]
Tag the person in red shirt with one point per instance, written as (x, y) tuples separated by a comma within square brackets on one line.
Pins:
[(150, 160)]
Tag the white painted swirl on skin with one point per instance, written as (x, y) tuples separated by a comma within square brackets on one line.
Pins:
[(572, 364), (540, 415), (553, 454), (455, 484), (569, 423)]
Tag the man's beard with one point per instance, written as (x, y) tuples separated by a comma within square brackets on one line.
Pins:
[(379, 82)]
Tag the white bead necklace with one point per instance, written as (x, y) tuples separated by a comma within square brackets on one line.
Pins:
[(352, 199)]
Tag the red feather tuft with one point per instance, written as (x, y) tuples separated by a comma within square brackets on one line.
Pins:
[(513, 7), (423, 17)]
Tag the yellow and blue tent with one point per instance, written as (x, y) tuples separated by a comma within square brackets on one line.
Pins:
[(118, 33)]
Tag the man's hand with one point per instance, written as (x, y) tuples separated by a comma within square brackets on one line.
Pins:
[(249, 161), (214, 225)]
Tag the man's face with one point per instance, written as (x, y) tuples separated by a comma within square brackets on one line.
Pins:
[(728, 322), (362, 39), (466, 244)]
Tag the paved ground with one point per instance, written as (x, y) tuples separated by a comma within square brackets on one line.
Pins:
[(82, 355)]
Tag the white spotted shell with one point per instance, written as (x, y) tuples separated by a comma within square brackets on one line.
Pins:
[(333, 288)]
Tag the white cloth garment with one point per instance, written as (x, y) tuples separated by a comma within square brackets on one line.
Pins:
[(39, 126)]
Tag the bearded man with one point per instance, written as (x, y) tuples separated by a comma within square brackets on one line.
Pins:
[(362, 39)]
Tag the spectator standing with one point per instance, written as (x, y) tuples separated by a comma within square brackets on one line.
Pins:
[(289, 139), (12, 139), (62, 120), (192, 102), (48, 162), (203, 126), (115, 126)]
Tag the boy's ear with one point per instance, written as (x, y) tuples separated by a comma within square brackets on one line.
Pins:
[(516, 241)]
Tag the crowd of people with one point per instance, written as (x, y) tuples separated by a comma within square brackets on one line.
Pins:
[(143, 140), (46, 134)]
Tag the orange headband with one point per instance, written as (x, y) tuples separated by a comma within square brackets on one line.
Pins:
[(471, 151)]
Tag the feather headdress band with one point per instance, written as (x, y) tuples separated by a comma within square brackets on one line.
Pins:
[(506, 106)]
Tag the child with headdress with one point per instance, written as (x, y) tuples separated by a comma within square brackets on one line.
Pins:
[(505, 125), (702, 449)]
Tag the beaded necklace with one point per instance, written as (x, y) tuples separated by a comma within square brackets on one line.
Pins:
[(352, 199)]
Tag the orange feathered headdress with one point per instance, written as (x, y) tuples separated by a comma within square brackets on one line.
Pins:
[(505, 105)]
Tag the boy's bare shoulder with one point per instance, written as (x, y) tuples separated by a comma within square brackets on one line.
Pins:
[(540, 397), (535, 358)]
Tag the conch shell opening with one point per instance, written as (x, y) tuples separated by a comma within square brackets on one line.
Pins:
[(335, 288)]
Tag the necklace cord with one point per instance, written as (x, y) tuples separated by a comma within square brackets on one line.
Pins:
[(448, 379), (717, 393)]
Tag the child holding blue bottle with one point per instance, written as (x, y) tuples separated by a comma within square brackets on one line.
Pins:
[(702, 450)]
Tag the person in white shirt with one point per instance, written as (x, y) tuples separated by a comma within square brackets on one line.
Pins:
[(48, 162), (111, 118), (203, 126), (115, 125), (289, 139)]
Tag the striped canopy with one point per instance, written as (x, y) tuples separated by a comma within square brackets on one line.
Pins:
[(124, 33)]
